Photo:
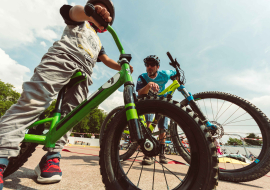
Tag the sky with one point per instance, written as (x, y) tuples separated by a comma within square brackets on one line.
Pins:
[(221, 45)]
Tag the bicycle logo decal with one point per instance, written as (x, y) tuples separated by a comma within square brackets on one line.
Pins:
[(111, 81)]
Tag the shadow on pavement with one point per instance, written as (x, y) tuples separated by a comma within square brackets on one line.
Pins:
[(241, 184), (13, 181), (90, 160)]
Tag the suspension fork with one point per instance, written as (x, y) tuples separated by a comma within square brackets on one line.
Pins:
[(132, 115), (134, 126), (194, 106)]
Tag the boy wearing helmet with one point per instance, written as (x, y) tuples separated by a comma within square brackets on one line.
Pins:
[(152, 83), (78, 49)]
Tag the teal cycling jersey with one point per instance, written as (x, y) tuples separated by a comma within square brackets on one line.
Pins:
[(162, 78)]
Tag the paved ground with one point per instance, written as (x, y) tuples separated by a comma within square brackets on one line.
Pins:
[(81, 171)]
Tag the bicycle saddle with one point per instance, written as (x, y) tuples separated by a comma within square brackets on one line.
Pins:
[(76, 79)]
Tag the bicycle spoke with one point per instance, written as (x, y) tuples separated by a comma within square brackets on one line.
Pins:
[(132, 163), (217, 108), (205, 108), (165, 178), (169, 170), (224, 111), (140, 176), (236, 118), (240, 125), (212, 108), (238, 121), (198, 102), (135, 157), (219, 111), (154, 173), (231, 115)]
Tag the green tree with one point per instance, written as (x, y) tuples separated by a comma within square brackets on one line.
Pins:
[(234, 141), (253, 142), (8, 97), (49, 113), (91, 123)]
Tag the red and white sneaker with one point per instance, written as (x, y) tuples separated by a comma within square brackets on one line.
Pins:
[(49, 172), (1, 177)]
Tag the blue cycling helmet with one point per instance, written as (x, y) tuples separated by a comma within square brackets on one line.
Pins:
[(152, 58)]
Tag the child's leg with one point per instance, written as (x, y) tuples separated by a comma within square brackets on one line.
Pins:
[(73, 98), (49, 77)]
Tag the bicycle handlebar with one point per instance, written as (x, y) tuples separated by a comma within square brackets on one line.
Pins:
[(176, 65), (89, 10), (170, 56)]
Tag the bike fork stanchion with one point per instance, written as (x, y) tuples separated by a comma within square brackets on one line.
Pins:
[(195, 107), (129, 96), (132, 116)]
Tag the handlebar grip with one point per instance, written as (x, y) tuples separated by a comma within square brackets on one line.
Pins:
[(89, 10), (170, 57)]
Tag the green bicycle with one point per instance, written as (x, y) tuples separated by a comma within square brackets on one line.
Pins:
[(202, 172)]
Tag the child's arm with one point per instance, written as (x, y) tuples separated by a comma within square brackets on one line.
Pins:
[(77, 14), (111, 63)]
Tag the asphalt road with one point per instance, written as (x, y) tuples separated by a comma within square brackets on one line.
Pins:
[(80, 169)]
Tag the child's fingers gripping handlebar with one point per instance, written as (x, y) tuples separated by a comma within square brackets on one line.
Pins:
[(89, 10)]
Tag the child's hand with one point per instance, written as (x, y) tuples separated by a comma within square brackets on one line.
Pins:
[(131, 68), (104, 13)]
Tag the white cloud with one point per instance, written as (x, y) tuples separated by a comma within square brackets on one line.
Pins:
[(252, 80), (24, 21), (101, 71), (115, 100), (263, 103), (43, 44), (12, 72)]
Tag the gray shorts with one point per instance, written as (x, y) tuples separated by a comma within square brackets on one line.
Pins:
[(49, 77)]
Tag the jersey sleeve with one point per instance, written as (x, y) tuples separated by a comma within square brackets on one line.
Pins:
[(170, 73), (141, 82), (102, 52), (64, 11)]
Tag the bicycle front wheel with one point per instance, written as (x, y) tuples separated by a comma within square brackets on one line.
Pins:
[(201, 173), (243, 131), (129, 151)]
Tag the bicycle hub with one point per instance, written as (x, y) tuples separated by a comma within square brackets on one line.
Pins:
[(148, 145)]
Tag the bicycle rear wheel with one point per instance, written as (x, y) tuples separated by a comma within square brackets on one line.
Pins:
[(26, 151), (202, 173), (236, 119)]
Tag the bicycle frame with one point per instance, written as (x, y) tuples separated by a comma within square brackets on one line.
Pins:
[(60, 127), (170, 91)]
